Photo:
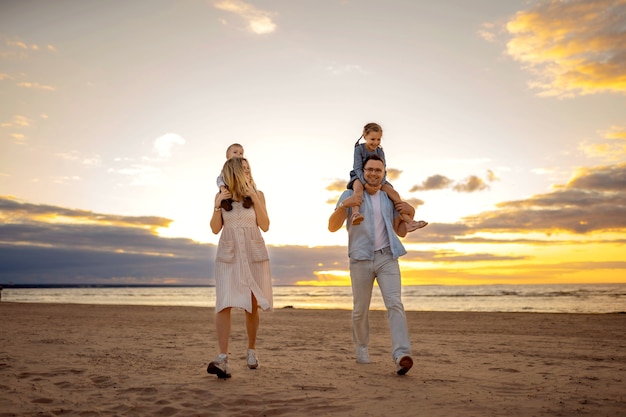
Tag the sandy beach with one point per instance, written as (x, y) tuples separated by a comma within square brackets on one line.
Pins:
[(98, 360)]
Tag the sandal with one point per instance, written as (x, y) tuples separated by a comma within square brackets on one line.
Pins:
[(357, 218), (414, 225)]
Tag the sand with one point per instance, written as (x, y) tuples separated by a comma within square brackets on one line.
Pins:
[(96, 360)]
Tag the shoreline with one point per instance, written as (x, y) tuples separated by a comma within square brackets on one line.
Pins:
[(88, 359)]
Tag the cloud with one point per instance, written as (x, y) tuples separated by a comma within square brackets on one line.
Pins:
[(470, 184), (612, 151), (36, 86), (140, 174), (258, 21), (487, 32), (593, 200), (344, 69), (393, 174), (337, 185), (17, 122), (12, 209), (47, 244), (163, 144), (77, 157), (434, 182), (574, 47)]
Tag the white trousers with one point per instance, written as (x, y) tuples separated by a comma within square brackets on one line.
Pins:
[(386, 271)]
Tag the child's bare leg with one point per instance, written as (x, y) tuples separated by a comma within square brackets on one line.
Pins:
[(357, 217), (411, 225), (395, 197)]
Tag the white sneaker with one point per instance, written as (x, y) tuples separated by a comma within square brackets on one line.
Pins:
[(403, 364), (219, 366), (253, 362), (362, 354)]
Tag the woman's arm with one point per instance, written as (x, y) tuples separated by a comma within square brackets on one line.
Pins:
[(262, 219)]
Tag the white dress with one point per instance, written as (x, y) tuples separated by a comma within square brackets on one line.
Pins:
[(242, 265)]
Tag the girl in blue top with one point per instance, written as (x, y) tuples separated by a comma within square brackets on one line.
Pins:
[(372, 133)]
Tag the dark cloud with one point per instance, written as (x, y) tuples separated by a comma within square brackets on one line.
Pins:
[(471, 184), (14, 208), (434, 182), (595, 200), (109, 249)]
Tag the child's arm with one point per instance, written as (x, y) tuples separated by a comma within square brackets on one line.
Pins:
[(220, 182)]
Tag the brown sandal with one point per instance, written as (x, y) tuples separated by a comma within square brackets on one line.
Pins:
[(357, 218), (414, 225)]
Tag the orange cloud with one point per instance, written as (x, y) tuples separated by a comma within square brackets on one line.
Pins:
[(572, 47), (36, 86), (258, 21)]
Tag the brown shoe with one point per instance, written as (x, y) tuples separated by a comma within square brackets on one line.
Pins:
[(247, 202), (403, 364)]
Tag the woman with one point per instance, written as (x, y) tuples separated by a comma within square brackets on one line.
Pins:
[(242, 268)]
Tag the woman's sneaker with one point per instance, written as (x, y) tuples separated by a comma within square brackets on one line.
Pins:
[(219, 366), (253, 362), (362, 354)]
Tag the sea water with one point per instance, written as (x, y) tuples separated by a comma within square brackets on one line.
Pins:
[(562, 298)]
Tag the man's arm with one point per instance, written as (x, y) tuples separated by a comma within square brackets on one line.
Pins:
[(337, 218), (398, 225), (341, 212)]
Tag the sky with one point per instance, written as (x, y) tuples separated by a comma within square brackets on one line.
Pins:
[(504, 124)]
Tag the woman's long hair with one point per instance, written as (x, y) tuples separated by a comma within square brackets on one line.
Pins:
[(235, 177)]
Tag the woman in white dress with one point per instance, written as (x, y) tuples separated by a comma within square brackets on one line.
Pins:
[(242, 269)]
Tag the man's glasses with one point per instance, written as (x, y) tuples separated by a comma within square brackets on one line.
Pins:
[(373, 170)]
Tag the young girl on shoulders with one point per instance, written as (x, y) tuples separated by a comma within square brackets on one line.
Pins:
[(372, 134)]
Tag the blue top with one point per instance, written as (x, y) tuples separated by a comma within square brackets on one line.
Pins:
[(360, 155), (361, 237)]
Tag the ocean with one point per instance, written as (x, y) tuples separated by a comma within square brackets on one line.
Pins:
[(561, 298)]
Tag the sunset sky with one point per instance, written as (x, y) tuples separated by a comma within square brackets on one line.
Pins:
[(504, 125)]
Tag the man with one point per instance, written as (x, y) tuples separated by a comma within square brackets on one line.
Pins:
[(374, 248)]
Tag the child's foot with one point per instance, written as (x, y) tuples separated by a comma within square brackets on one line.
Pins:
[(414, 225), (247, 202), (357, 218), (227, 204)]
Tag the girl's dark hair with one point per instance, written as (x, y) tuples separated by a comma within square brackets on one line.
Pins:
[(370, 127)]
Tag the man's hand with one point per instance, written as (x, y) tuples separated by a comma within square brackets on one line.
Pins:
[(405, 208)]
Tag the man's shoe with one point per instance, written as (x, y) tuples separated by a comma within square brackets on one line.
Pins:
[(362, 355), (219, 367), (227, 204), (403, 364), (247, 202), (253, 362)]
